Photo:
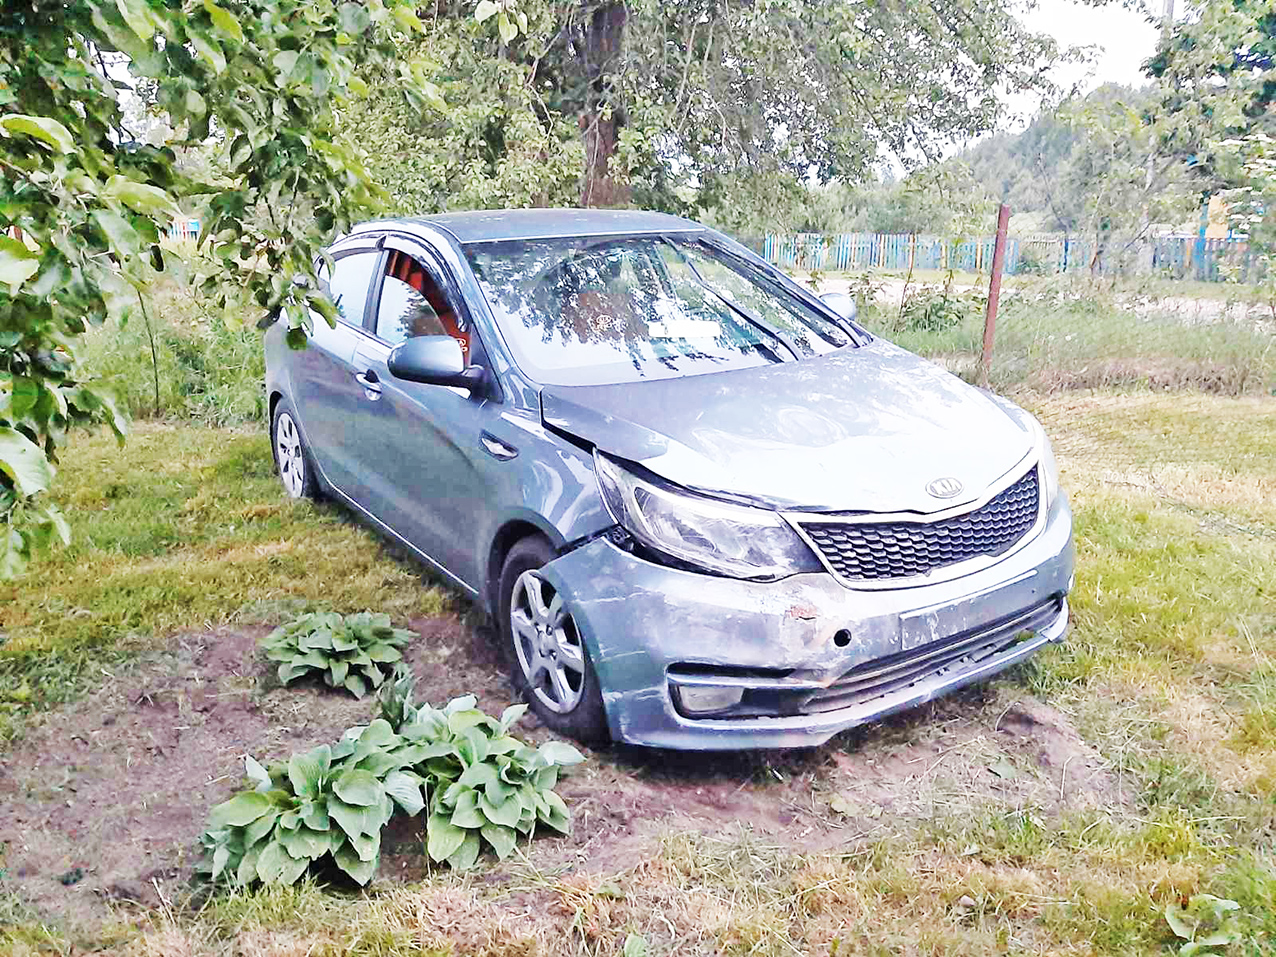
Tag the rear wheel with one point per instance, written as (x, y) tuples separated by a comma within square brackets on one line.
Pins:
[(550, 664), (292, 458)]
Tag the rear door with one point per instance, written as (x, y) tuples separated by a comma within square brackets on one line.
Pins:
[(423, 467), (323, 373)]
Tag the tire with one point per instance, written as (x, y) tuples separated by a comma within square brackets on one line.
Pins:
[(293, 461), (549, 663)]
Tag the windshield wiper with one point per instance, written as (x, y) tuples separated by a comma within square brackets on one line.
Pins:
[(746, 314), (857, 336)]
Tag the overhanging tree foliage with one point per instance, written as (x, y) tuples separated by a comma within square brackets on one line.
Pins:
[(704, 107), (83, 205)]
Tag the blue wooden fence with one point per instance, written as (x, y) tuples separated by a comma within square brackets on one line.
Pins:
[(1177, 256)]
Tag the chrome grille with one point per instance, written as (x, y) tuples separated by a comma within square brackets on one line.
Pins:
[(872, 551)]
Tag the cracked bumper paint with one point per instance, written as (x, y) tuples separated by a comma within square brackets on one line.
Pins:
[(799, 635)]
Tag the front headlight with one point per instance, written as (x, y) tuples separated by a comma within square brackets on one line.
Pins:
[(720, 537), (1049, 468)]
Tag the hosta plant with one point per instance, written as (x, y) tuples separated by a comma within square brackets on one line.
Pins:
[(331, 801), (354, 652), (486, 786), (479, 784)]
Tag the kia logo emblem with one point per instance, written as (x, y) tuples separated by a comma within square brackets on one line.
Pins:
[(944, 487)]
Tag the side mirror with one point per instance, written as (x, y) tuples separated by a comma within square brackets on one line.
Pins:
[(435, 360), (841, 303)]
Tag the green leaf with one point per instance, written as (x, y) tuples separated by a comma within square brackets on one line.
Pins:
[(140, 197), (337, 672), (277, 866), (119, 233), (43, 128), (384, 653), (485, 10), (405, 789), (477, 776), (220, 857), (285, 62), (1181, 922), (315, 817), (24, 462), (466, 811), (306, 771), (462, 703), (138, 17), (358, 787), (17, 264), (261, 827), (560, 753), (348, 860), (208, 48), (443, 838), (557, 817), (507, 812), (367, 846), (458, 721), (501, 838), (343, 640), (354, 819), (635, 946), (258, 775), (224, 20), (246, 873), (241, 810), (305, 842), (465, 856), (356, 686), (505, 26), (353, 18), (511, 715), (407, 19)]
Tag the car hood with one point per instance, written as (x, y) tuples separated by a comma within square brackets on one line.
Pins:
[(856, 430)]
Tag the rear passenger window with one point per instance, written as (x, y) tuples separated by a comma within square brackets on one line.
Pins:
[(348, 286)]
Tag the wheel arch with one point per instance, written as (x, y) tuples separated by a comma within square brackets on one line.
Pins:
[(507, 536)]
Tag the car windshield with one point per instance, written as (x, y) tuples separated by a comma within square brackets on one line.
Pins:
[(595, 310)]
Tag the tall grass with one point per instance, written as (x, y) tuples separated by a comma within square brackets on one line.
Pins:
[(1057, 334), (179, 360)]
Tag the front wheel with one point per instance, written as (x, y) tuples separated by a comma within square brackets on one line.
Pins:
[(551, 665)]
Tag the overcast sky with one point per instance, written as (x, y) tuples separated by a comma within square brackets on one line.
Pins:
[(1124, 37)]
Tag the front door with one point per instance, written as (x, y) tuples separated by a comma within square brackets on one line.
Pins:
[(424, 469)]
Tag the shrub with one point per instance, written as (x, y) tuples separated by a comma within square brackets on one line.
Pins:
[(479, 784), (486, 787), (348, 651)]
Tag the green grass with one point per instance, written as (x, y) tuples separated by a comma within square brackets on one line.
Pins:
[(178, 360), (186, 526), (1167, 674)]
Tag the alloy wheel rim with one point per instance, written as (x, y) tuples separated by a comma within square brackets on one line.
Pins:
[(547, 644), (292, 465)]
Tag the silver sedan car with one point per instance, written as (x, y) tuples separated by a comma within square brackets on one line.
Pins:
[(705, 508)]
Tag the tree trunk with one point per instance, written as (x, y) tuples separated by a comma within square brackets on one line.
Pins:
[(603, 117)]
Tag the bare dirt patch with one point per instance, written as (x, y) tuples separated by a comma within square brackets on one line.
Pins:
[(102, 802)]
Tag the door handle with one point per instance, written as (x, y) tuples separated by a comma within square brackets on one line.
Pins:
[(496, 448), (370, 382)]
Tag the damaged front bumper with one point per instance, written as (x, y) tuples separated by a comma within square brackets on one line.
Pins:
[(695, 661)]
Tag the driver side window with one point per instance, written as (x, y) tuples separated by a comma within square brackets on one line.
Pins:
[(413, 303)]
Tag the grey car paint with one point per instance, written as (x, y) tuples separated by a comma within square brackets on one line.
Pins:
[(863, 429)]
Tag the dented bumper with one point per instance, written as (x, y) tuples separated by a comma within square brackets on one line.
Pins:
[(806, 657)]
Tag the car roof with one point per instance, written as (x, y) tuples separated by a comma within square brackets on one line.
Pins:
[(494, 225)]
